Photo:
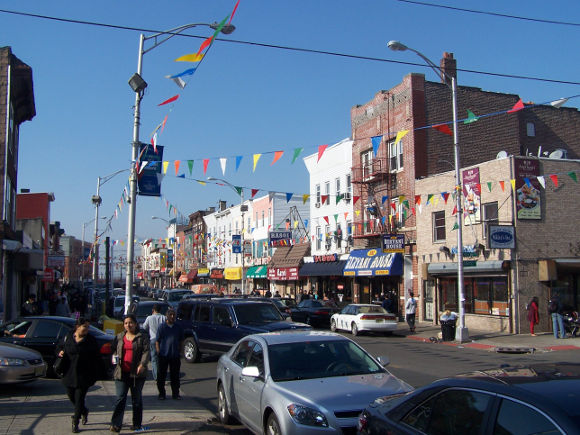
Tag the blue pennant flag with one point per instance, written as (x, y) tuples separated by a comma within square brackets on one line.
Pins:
[(376, 141), (187, 72)]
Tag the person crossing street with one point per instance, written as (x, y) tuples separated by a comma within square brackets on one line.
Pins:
[(151, 325), (169, 342)]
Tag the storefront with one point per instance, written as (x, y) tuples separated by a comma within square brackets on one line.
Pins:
[(259, 275), (283, 270), (216, 276), (203, 274), (374, 272), (233, 276), (325, 274), (188, 278)]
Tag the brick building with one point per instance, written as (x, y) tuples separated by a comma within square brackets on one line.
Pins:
[(384, 172)]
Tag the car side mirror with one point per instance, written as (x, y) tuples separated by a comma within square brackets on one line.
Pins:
[(383, 360), (252, 372)]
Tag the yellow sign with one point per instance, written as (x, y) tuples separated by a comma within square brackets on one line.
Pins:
[(233, 273)]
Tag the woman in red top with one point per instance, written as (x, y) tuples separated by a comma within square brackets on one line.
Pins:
[(533, 315), (131, 354)]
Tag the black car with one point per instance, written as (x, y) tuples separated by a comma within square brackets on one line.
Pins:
[(510, 400), (42, 333), (313, 312), (214, 325)]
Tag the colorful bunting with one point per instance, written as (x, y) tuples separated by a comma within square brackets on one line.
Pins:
[(305, 198), (554, 179), (443, 128), (177, 163), (205, 163), (376, 141), (321, 149), (187, 72), (470, 117), (572, 175), (517, 107), (277, 155), (223, 162), (256, 158), (238, 161), (355, 199), (254, 191), (170, 100), (190, 166), (288, 197), (234, 11), (400, 135), (489, 186), (384, 198), (297, 152), (190, 58)]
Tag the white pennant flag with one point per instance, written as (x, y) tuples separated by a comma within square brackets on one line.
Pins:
[(223, 161), (142, 166), (179, 82), (542, 181), (420, 208)]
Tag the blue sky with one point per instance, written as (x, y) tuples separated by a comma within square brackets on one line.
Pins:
[(246, 99)]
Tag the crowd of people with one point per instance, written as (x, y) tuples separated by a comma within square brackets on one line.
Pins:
[(65, 301)]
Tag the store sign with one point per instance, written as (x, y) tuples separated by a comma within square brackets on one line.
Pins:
[(283, 273), (236, 243), (56, 260), (528, 198), (471, 196), (276, 238), (325, 258), (393, 243), (502, 237)]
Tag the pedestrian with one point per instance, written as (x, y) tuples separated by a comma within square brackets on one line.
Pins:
[(169, 341), (268, 294), (410, 310), (151, 325), (62, 308), (533, 314), (30, 306), (131, 355), (84, 365), (555, 310)]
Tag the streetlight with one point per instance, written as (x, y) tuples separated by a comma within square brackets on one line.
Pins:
[(462, 333), (138, 85), (243, 209), (83, 251), (170, 224)]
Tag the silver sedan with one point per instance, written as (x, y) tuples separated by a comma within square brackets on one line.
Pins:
[(20, 364), (300, 382)]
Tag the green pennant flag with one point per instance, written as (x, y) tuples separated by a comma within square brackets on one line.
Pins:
[(455, 227), (220, 27), (406, 203), (335, 217), (338, 198), (429, 197), (489, 185), (573, 176), (297, 152), (470, 117), (239, 190), (190, 166)]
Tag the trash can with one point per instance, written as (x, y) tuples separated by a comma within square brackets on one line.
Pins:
[(448, 330)]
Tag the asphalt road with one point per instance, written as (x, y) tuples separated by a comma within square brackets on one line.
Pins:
[(415, 362)]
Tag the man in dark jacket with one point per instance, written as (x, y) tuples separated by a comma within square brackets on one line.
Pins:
[(169, 340), (30, 307)]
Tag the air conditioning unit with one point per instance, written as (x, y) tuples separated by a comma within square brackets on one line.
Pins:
[(346, 196), (317, 205)]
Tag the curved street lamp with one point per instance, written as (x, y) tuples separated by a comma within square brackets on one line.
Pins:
[(462, 333), (138, 85)]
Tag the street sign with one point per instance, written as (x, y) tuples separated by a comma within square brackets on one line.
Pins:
[(393, 243), (470, 263)]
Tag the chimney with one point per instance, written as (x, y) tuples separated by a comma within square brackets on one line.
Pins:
[(449, 66)]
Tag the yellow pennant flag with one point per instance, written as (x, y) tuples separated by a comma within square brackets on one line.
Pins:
[(203, 183), (295, 224), (513, 181), (305, 198), (194, 57), (165, 165), (256, 158), (400, 135), (435, 200), (357, 212)]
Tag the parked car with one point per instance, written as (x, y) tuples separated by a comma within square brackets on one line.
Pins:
[(300, 382), (200, 296), (20, 364), (357, 318), (214, 325), (510, 400), (119, 305), (142, 309), (313, 312), (173, 296)]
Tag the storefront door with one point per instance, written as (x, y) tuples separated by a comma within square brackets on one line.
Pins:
[(429, 293)]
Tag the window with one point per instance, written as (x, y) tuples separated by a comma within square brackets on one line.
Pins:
[(327, 188), (263, 220), (439, 226), (531, 129), (396, 156), (518, 418), (221, 316), (318, 238), (202, 313), (348, 183), (257, 358), (452, 412), (397, 212), (337, 184), (367, 164), (328, 239), (317, 189), (241, 354), (490, 213)]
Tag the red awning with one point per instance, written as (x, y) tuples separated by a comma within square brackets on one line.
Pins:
[(140, 275), (189, 277), (217, 274)]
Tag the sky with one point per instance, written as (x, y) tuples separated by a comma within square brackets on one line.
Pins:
[(254, 92)]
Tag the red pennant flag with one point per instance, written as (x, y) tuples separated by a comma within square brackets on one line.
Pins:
[(393, 206), (177, 163), (445, 196), (254, 191), (204, 44), (171, 100), (205, 163), (324, 198), (418, 199), (443, 128), (355, 199), (517, 107), (454, 212), (163, 124), (554, 179), (413, 210), (234, 11), (325, 218), (321, 150), (277, 156), (502, 185)]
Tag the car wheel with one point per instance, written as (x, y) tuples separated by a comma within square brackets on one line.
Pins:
[(272, 426), (354, 329), (308, 321), (388, 333), (223, 411), (333, 325), (191, 350)]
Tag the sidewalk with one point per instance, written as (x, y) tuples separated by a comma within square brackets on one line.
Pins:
[(498, 342), (48, 411)]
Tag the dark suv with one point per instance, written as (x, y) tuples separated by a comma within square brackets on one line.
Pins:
[(213, 326)]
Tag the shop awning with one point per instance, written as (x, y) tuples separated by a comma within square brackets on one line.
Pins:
[(233, 273), (330, 268), (217, 274), (188, 277), (257, 272), (469, 266), (139, 275), (289, 256), (203, 271), (373, 262)]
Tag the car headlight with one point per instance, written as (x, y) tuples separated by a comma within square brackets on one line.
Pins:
[(11, 362), (308, 416)]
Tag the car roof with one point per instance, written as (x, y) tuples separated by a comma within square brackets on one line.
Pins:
[(298, 336), (68, 320)]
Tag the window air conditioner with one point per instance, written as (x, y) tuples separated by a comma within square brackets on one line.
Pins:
[(317, 205), (346, 196)]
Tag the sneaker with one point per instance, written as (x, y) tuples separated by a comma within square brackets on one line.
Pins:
[(139, 428), (177, 398), (161, 397), (113, 428)]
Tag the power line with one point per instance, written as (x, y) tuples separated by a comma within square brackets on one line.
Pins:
[(288, 48), (495, 14)]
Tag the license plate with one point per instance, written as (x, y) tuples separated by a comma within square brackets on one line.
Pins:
[(379, 320), (38, 371)]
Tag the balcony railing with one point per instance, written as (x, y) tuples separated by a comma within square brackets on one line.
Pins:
[(376, 168)]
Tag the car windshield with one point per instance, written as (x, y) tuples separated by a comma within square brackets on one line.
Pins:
[(145, 310), (319, 359), (176, 296), (119, 302), (255, 314)]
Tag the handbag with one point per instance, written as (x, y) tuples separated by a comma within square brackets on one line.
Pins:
[(61, 365)]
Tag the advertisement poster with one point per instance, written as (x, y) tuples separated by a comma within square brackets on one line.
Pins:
[(236, 244), (471, 196), (528, 205), (148, 178)]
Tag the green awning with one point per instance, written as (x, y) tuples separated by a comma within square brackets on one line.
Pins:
[(257, 272)]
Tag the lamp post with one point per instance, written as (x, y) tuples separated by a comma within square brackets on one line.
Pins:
[(83, 250), (243, 209), (173, 235), (462, 333), (138, 85)]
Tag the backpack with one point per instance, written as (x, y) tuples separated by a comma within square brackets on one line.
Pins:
[(552, 306)]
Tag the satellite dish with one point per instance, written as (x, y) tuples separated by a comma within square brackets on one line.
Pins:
[(501, 155), (558, 154)]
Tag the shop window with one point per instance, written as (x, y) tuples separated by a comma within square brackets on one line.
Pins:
[(439, 226), (318, 238), (396, 156), (490, 217)]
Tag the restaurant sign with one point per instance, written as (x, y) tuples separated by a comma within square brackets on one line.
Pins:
[(282, 273)]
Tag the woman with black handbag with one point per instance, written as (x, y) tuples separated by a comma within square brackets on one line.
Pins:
[(80, 353)]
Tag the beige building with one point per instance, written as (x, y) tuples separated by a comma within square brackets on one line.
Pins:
[(521, 238)]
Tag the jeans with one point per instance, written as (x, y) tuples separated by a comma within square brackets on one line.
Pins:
[(174, 365), (558, 324), (154, 359), (411, 321), (77, 398), (122, 387)]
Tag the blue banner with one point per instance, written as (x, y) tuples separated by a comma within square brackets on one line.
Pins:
[(149, 177), (236, 244), (372, 262)]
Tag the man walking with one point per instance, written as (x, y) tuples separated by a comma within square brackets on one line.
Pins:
[(555, 310), (168, 344), (151, 325), (410, 310)]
